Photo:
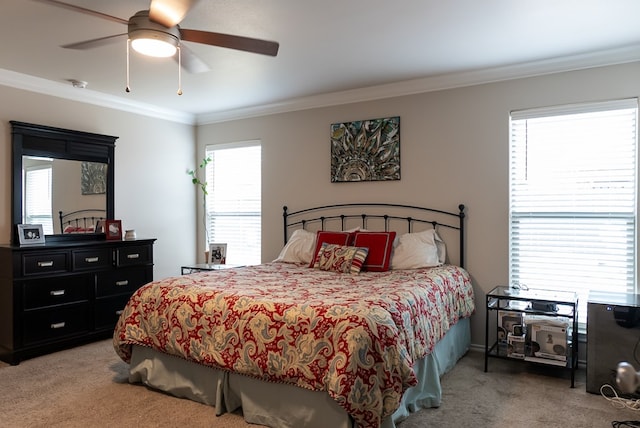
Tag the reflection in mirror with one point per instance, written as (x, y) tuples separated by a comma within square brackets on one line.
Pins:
[(77, 170), (53, 185)]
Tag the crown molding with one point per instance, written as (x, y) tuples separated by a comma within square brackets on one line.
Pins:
[(66, 91), (625, 54), (621, 55)]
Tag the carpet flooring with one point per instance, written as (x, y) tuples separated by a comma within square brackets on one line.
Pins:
[(87, 387)]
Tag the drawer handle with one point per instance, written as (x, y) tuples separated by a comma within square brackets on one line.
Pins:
[(91, 259), (57, 325), (57, 292), (133, 256), (122, 283), (48, 263), (118, 313)]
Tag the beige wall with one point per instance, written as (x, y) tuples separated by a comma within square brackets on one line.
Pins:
[(153, 192), (454, 149)]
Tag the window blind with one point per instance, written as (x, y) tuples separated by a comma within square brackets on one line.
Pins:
[(234, 200), (38, 203), (573, 198)]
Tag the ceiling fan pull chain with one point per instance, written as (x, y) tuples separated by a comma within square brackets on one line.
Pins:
[(127, 89), (179, 70)]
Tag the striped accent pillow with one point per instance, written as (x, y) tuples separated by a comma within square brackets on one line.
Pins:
[(341, 258), (338, 238)]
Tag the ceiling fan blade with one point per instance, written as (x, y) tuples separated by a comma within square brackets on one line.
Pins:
[(169, 12), (191, 62), (84, 10), (258, 46), (94, 43)]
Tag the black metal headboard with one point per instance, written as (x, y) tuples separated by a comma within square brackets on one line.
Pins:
[(360, 214), (81, 218)]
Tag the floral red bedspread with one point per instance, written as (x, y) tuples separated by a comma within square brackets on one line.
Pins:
[(354, 336)]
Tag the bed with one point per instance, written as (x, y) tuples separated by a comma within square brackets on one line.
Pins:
[(351, 326), (81, 221)]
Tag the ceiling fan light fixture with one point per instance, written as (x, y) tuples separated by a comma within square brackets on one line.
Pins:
[(154, 43)]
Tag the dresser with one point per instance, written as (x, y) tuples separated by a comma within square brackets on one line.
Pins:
[(62, 294)]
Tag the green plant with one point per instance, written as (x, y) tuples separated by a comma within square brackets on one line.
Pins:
[(203, 185), (194, 177)]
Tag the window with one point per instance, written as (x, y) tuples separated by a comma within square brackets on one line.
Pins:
[(37, 208), (572, 201), (234, 200)]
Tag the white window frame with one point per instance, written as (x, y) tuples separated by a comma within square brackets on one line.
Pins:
[(242, 219), (535, 257), (38, 199)]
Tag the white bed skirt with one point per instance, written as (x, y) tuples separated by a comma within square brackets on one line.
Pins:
[(286, 406)]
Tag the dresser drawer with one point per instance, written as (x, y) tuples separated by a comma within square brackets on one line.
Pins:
[(108, 310), (122, 281), (133, 255), (53, 323), (56, 291), (45, 263), (95, 258)]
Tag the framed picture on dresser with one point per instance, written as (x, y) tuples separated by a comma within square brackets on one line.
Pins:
[(113, 230), (30, 234)]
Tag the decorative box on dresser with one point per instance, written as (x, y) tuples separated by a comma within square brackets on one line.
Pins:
[(62, 294)]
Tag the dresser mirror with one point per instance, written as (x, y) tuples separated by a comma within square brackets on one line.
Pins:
[(61, 171)]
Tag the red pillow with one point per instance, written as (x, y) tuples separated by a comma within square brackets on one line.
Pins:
[(337, 238), (380, 245)]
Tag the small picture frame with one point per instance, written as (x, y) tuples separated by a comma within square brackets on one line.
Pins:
[(100, 227), (30, 234), (113, 230), (218, 254)]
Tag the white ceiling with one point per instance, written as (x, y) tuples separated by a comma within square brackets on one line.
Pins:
[(330, 50)]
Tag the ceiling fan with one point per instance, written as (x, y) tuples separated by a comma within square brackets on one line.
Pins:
[(155, 32)]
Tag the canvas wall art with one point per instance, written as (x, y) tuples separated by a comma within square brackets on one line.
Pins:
[(93, 178), (365, 150)]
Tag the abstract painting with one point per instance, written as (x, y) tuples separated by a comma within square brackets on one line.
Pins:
[(365, 150), (93, 178)]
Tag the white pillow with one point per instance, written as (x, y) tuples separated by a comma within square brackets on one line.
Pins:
[(299, 248), (418, 250), (442, 248)]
